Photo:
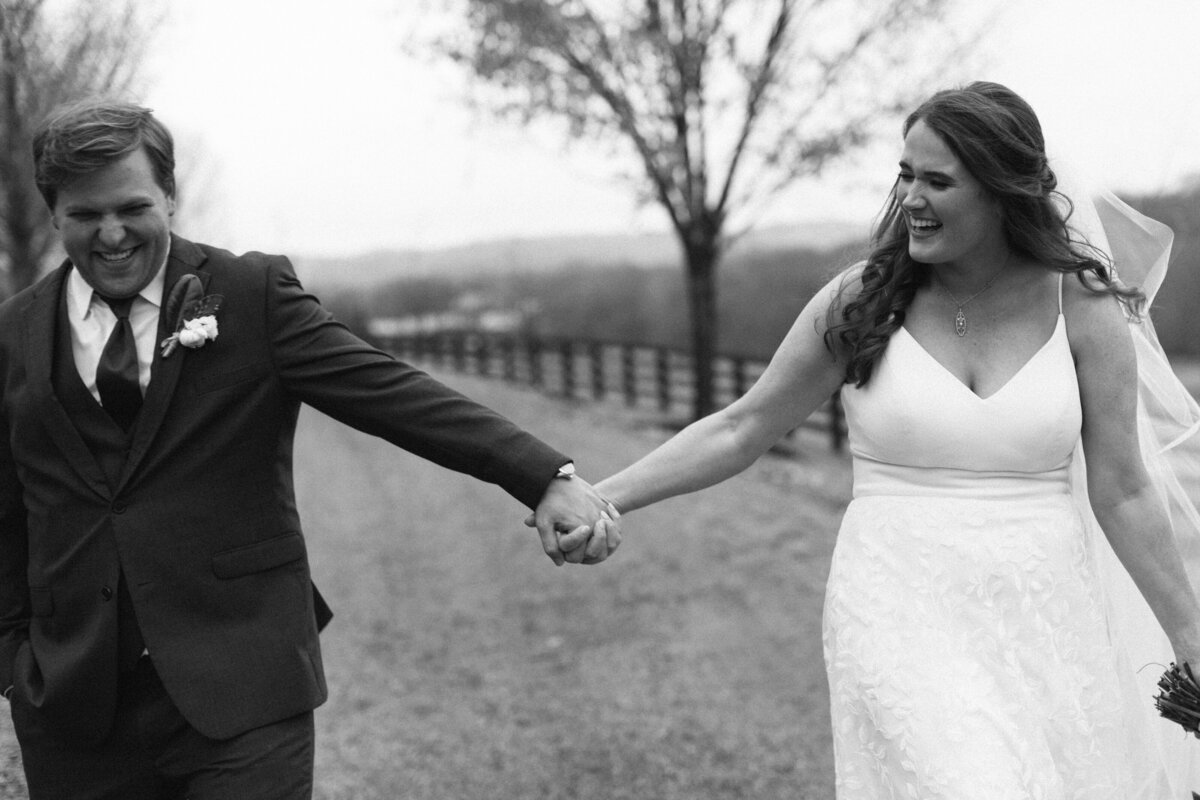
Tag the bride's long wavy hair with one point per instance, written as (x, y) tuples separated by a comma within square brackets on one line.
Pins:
[(997, 137)]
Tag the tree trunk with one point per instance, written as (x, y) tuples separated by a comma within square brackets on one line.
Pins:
[(27, 241), (702, 259), (26, 238), (22, 264)]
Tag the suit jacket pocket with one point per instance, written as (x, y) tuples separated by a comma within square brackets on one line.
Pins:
[(260, 556)]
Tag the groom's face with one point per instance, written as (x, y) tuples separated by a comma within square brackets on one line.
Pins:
[(116, 225)]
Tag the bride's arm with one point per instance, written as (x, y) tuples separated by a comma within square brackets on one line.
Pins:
[(1123, 497), (800, 377)]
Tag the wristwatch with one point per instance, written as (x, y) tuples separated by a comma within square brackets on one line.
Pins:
[(566, 471)]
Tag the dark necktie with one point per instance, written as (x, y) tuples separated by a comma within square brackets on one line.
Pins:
[(117, 372)]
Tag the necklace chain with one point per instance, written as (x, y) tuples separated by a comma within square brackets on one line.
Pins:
[(960, 318)]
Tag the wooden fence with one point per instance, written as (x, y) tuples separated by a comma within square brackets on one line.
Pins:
[(643, 376)]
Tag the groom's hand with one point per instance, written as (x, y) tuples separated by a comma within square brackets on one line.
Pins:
[(572, 507), (584, 546)]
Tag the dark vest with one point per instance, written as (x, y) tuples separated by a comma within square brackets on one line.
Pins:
[(110, 446)]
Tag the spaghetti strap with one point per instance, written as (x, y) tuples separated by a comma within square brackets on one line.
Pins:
[(1060, 280)]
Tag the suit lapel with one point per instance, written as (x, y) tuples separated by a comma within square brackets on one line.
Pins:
[(185, 257), (41, 321)]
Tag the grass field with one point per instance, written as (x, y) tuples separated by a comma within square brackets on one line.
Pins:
[(463, 664)]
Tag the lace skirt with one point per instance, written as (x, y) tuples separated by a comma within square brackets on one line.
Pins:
[(968, 656)]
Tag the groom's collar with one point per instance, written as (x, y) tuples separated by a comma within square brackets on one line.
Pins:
[(79, 291)]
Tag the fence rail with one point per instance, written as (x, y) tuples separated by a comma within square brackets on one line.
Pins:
[(643, 376)]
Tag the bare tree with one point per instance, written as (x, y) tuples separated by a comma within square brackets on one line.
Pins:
[(724, 103), (52, 54)]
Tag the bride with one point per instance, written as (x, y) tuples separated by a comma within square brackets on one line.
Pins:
[(977, 639)]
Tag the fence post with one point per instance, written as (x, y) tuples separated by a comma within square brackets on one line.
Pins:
[(481, 348), (739, 377), (457, 351), (596, 356), (629, 373), (508, 358), (535, 361), (566, 355), (439, 348), (663, 369)]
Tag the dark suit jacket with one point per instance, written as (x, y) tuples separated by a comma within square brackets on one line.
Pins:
[(202, 522)]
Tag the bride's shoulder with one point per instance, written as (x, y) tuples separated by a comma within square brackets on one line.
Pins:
[(845, 286), (853, 273), (826, 302), (1094, 317)]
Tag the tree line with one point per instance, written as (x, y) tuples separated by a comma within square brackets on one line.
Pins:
[(759, 293), (759, 297)]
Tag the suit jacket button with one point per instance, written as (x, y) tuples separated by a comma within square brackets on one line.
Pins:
[(118, 508), (106, 593)]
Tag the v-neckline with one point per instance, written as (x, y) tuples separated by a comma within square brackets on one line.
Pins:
[(1054, 334)]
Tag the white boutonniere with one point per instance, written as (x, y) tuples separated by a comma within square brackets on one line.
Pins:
[(195, 315)]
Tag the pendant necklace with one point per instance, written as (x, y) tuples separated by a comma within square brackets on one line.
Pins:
[(960, 318)]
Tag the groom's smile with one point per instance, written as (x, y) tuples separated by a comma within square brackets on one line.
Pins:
[(114, 258), (116, 225)]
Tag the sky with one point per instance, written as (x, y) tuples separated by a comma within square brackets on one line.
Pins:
[(305, 127)]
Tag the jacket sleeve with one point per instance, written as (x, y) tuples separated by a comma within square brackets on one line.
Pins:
[(14, 559), (325, 365)]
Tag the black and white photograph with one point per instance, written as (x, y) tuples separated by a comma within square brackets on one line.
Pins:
[(599, 400)]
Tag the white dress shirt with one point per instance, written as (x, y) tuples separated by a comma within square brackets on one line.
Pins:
[(92, 321)]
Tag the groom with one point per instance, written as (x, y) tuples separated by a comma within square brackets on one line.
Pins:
[(158, 625)]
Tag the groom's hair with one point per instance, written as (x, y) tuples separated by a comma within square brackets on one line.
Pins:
[(84, 137)]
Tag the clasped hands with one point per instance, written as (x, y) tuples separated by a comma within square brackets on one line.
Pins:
[(576, 525)]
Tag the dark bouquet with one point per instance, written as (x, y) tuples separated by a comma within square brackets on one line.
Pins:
[(1179, 698)]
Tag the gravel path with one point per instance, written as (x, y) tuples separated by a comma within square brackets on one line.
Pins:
[(462, 664)]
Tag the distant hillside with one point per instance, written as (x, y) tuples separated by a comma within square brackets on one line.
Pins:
[(550, 253), (631, 287), (760, 291)]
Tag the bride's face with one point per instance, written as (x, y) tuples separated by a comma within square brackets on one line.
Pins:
[(951, 218)]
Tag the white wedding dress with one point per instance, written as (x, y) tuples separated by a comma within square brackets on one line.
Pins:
[(966, 638)]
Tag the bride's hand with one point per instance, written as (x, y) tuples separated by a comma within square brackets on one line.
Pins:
[(582, 546), (589, 545)]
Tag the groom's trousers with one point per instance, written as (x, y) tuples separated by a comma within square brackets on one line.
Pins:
[(153, 754)]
